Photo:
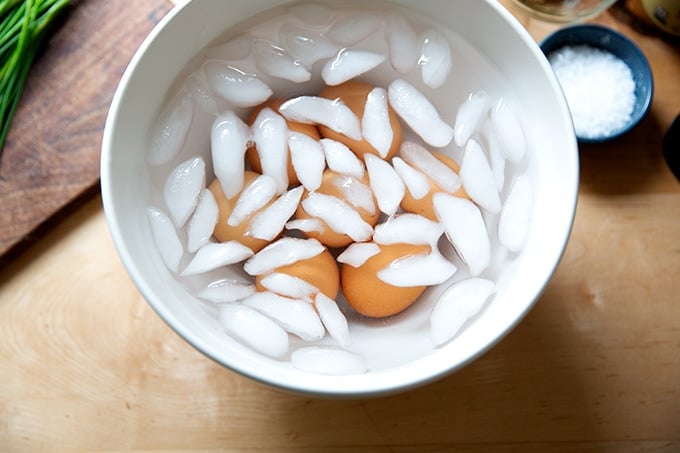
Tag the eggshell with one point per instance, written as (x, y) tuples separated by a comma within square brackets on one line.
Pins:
[(224, 232), (353, 94), (372, 297), (253, 158), (423, 206), (329, 237), (320, 271)]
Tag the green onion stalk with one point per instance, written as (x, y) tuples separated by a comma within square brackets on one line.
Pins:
[(23, 27)]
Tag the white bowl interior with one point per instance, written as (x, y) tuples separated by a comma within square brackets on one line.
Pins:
[(552, 168)]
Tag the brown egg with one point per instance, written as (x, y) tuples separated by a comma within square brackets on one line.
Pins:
[(354, 94), (320, 271), (372, 297), (423, 206), (329, 237), (224, 232), (251, 154)]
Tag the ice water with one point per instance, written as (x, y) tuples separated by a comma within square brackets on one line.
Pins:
[(264, 45)]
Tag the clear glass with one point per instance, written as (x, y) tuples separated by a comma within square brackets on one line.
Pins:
[(562, 11)]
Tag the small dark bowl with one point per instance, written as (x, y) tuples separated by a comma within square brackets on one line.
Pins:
[(614, 42)]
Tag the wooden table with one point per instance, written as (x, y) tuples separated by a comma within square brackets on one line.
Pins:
[(86, 365)]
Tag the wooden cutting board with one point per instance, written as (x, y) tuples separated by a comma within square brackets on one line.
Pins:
[(51, 157)]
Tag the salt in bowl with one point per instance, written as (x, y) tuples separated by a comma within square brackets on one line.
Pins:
[(606, 39)]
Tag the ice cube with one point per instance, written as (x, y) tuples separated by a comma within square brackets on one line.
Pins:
[(358, 253), (329, 361), (289, 286), (402, 42), (469, 115), (423, 269), (254, 329), (165, 237), (234, 85), (202, 223), (237, 48), (295, 316), (201, 94), (348, 64), (338, 215), (171, 129), (478, 179), (435, 58), (353, 29), (276, 62), (270, 132), (509, 131), (341, 159), (460, 302), (419, 113), (254, 197), (317, 110), (312, 13), (465, 229), (308, 159), (333, 319), (306, 45), (408, 228), (355, 192), (416, 182), (226, 290), (496, 156), (306, 225), (386, 184), (375, 123), (182, 189), (515, 219), (214, 255), (282, 252), (425, 161), (228, 142), (268, 223)]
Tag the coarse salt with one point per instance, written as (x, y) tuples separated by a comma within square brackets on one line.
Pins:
[(599, 88)]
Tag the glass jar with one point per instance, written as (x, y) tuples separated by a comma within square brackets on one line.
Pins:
[(562, 11)]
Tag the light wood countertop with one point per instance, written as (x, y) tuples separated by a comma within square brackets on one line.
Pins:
[(86, 365)]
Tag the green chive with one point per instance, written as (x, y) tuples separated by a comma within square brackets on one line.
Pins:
[(23, 26)]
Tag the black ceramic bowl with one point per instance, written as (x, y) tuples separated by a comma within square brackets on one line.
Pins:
[(622, 47)]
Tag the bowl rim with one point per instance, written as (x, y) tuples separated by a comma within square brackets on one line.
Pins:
[(559, 39), (353, 388)]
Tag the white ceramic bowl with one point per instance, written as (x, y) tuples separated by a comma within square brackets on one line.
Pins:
[(552, 167)]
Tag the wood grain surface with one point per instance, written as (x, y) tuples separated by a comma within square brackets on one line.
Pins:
[(86, 365), (51, 157)]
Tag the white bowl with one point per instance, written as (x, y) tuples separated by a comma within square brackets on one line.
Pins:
[(552, 166)]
